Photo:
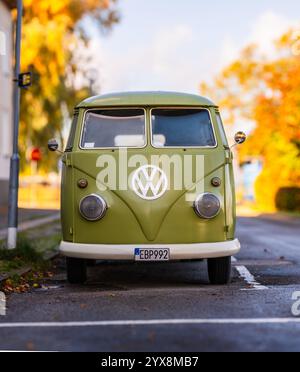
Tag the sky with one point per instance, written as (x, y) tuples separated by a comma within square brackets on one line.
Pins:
[(175, 44)]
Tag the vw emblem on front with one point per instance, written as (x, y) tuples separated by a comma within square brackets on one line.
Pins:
[(149, 182)]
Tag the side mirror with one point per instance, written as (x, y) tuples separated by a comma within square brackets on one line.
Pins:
[(240, 138), (52, 145)]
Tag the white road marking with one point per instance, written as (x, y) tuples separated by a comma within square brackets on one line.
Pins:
[(248, 277), (106, 323)]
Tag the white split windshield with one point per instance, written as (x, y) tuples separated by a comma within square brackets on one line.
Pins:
[(115, 128)]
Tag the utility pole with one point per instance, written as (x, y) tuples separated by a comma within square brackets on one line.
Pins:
[(15, 159)]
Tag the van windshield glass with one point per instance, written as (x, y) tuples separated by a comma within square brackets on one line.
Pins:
[(182, 128), (114, 128)]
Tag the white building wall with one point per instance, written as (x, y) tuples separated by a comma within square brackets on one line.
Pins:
[(5, 97)]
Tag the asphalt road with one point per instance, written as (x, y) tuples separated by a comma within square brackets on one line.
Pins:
[(169, 307)]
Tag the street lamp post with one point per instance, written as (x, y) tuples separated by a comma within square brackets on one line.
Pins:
[(15, 159)]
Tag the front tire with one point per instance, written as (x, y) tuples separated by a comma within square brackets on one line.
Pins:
[(91, 263), (219, 270), (76, 270)]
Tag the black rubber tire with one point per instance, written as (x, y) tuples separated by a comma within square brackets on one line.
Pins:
[(76, 270), (91, 263), (219, 270)]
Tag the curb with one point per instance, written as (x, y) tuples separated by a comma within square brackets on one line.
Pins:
[(27, 225), (280, 217)]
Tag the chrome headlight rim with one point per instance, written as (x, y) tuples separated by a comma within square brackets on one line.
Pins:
[(198, 211), (103, 204)]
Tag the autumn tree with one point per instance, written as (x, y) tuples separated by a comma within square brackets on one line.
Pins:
[(53, 32), (266, 91)]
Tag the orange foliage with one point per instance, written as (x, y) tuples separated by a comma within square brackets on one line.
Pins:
[(266, 91), (53, 33)]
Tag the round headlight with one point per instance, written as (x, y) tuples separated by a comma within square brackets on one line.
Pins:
[(207, 205), (93, 207)]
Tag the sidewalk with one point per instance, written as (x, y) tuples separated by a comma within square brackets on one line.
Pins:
[(28, 218), (281, 217)]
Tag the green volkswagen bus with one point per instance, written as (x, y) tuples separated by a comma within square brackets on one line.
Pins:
[(148, 177)]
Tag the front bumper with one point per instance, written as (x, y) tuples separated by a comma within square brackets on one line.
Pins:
[(126, 252)]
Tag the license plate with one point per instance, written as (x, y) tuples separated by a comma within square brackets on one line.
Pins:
[(152, 254)]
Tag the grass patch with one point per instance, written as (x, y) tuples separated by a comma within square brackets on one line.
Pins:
[(29, 252), (291, 214), (25, 254), (25, 250), (47, 243)]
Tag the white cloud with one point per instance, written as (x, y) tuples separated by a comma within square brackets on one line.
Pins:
[(169, 61), (164, 63), (166, 46), (267, 28), (229, 52)]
